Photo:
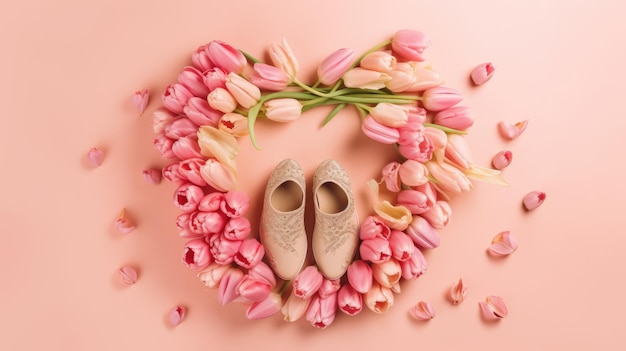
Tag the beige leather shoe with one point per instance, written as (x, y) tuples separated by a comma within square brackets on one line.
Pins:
[(282, 220), (335, 236)]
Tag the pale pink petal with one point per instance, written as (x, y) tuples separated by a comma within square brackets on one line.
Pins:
[(482, 73), (140, 100), (493, 308), (533, 200), (423, 311), (502, 159), (512, 131), (95, 157), (503, 244), (458, 291), (123, 224), (128, 275), (152, 176), (177, 314)]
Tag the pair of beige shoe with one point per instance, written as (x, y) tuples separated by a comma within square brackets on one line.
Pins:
[(282, 231)]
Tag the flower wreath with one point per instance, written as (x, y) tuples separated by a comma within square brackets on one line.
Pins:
[(401, 101)]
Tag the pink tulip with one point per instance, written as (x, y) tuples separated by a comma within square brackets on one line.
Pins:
[(189, 234), (329, 287), (266, 308), (246, 93), (387, 273), (200, 113), (378, 299), (349, 301), (160, 118), (180, 127), (456, 117), (226, 57), (440, 98), (283, 58), (439, 215), (211, 202), (282, 110), (425, 77), (215, 78), (449, 178), (222, 249), (182, 220), (218, 176), (418, 150), (222, 100), (235, 204), (423, 234), (413, 131), (390, 115), (409, 44), (401, 245), (458, 291), (196, 255), (175, 97), (373, 227), (177, 314), (186, 147), (380, 61), (502, 159), (152, 176), (295, 308), (307, 282), (95, 157), (402, 77), (237, 228), (193, 80), (360, 276), (128, 275), (415, 266), (423, 311), (493, 308), (263, 272), (164, 146), (187, 197), (379, 132), (458, 152), (375, 250), (417, 117), (533, 200), (250, 253), (512, 131), (140, 100), (482, 73), (321, 311), (503, 244), (212, 275), (269, 77), (253, 290), (227, 290), (207, 222), (190, 170), (365, 79), (413, 173), (396, 217), (335, 65), (391, 177), (200, 58), (170, 172)]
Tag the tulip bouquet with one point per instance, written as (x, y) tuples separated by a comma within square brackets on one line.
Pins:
[(401, 101)]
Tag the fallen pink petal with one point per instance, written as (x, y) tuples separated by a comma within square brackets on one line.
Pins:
[(534, 199), (493, 308), (503, 244), (152, 176), (458, 291), (140, 100), (423, 311), (123, 224), (95, 157), (128, 275), (502, 159), (177, 314), (512, 131), (482, 73)]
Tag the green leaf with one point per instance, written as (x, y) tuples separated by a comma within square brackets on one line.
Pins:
[(445, 129), (333, 113), (252, 115)]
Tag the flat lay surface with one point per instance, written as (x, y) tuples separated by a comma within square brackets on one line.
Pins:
[(69, 69)]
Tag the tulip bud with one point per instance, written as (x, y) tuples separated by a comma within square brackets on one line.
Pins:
[(215, 78), (415, 201), (379, 132), (235, 204), (439, 215), (227, 290), (306, 284), (373, 227), (533, 200), (222, 100), (409, 44), (502, 159), (458, 152), (246, 93), (403, 77), (335, 65), (349, 301), (380, 61), (95, 157), (233, 123), (250, 253), (390, 115), (177, 314), (226, 57), (186, 147), (201, 113), (282, 110), (375, 250), (283, 58), (321, 311), (378, 299), (482, 73), (179, 127), (440, 98), (456, 117), (365, 79), (294, 308), (193, 79), (269, 77), (415, 266), (423, 233), (222, 249), (200, 59), (140, 100), (196, 255), (387, 273), (413, 173), (360, 276), (237, 228), (159, 119), (187, 197), (175, 97)]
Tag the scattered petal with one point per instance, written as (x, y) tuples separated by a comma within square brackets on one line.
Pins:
[(502, 159), (512, 131), (123, 224), (503, 244), (458, 291), (534, 199), (152, 176), (140, 100), (423, 311), (493, 308), (482, 73), (128, 275), (95, 157), (177, 314)]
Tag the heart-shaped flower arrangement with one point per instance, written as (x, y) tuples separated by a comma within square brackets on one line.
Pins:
[(401, 101)]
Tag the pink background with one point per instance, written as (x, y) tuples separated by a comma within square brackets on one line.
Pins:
[(69, 67)]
